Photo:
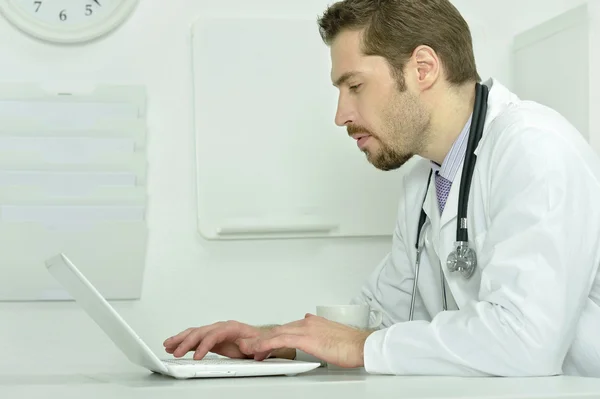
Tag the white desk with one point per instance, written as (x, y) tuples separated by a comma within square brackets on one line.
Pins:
[(131, 383)]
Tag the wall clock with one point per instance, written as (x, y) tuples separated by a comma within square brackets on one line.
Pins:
[(67, 21)]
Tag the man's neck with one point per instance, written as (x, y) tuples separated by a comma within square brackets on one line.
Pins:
[(450, 114)]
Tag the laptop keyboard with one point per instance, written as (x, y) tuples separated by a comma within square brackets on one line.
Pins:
[(208, 361)]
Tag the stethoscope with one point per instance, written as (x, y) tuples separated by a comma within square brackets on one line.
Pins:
[(462, 259)]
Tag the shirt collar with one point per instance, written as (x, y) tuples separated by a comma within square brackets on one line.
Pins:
[(455, 156)]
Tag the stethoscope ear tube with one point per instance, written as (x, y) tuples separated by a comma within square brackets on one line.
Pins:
[(477, 124)]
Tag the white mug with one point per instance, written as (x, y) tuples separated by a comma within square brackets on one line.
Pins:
[(357, 316)]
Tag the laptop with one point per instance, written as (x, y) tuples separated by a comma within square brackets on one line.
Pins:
[(136, 350)]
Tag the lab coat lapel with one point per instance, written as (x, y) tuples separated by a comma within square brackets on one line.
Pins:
[(440, 224), (432, 210), (447, 232), (451, 207)]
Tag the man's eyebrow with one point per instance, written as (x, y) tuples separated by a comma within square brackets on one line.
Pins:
[(342, 79)]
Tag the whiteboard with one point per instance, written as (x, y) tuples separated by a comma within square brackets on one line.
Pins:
[(271, 163), (544, 72), (72, 180)]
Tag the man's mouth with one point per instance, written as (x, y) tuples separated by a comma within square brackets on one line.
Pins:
[(361, 139), (359, 136)]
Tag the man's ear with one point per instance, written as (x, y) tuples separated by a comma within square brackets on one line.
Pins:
[(426, 66)]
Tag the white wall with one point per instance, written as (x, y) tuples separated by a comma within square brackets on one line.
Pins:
[(189, 281), (533, 12), (497, 22), (510, 17)]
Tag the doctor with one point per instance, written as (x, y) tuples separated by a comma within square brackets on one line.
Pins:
[(510, 183)]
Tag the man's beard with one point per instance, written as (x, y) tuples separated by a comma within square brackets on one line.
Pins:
[(388, 158), (406, 134)]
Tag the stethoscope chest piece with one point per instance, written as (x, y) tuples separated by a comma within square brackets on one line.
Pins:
[(463, 260)]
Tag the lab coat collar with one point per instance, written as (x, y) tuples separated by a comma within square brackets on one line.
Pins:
[(499, 98)]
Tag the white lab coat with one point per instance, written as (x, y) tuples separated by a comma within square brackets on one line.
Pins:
[(532, 307)]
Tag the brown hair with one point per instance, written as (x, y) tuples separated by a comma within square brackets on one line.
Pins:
[(394, 28)]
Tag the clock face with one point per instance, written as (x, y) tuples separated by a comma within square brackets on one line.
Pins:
[(67, 12), (66, 20)]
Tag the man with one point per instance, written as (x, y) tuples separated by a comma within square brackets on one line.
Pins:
[(407, 80)]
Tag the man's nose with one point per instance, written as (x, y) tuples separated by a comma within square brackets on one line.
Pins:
[(344, 114)]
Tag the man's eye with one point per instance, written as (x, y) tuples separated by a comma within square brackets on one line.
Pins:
[(354, 87)]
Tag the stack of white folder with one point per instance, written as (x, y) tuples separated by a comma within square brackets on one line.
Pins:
[(72, 179)]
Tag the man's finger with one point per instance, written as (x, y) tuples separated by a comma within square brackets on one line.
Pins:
[(261, 356), (172, 343), (192, 340), (246, 344), (212, 338), (176, 339)]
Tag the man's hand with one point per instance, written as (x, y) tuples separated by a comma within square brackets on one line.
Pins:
[(224, 338), (332, 342)]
